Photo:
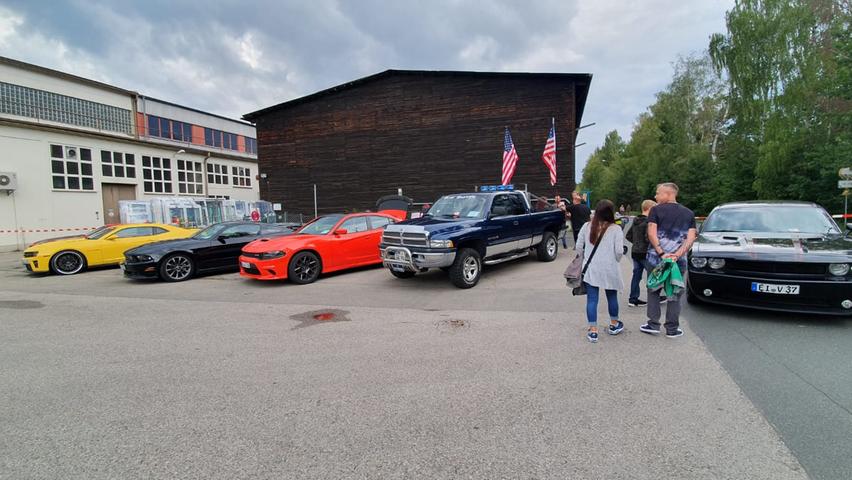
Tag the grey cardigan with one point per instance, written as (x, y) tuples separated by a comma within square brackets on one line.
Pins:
[(603, 272)]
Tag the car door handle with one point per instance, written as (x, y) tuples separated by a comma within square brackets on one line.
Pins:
[(515, 222)]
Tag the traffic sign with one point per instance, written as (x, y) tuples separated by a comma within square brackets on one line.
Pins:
[(255, 216), (845, 172), (844, 184)]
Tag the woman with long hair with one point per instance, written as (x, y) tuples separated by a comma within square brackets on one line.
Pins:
[(603, 271)]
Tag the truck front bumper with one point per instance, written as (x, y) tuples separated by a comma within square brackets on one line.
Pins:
[(409, 259)]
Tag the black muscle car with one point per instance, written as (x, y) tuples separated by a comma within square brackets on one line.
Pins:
[(216, 248), (785, 256)]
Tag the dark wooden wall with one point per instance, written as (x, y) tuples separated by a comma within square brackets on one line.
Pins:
[(429, 135)]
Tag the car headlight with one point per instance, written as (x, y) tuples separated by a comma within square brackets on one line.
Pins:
[(838, 269), (271, 255), (30, 254), (716, 263), (441, 243), (144, 258), (699, 262)]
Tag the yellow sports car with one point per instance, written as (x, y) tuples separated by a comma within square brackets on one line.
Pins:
[(104, 246)]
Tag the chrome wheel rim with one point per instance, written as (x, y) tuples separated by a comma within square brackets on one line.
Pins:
[(551, 247), (68, 263), (470, 269), (178, 268), (306, 267)]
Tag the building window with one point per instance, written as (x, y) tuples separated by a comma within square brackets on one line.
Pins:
[(242, 176), (156, 174), (170, 129), (251, 145), (217, 174), (190, 179), (218, 138), (53, 107), (71, 168), (118, 165)]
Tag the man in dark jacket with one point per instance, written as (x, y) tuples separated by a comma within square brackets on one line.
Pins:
[(579, 213), (638, 236)]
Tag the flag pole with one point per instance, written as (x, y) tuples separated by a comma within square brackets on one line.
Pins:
[(555, 188)]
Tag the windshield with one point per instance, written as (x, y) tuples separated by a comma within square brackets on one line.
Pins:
[(99, 232), (209, 232), (784, 219), (459, 206), (320, 226)]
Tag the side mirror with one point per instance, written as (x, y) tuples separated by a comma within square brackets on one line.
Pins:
[(111, 238), (222, 238), (341, 231)]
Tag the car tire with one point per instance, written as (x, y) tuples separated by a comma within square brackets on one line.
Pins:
[(548, 249), (405, 274), (68, 262), (177, 267), (466, 268), (304, 268)]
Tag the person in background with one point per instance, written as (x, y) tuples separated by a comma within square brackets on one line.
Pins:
[(579, 213), (563, 205), (638, 236), (621, 209), (603, 272), (671, 232)]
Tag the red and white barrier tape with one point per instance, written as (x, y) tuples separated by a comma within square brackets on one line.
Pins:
[(48, 230)]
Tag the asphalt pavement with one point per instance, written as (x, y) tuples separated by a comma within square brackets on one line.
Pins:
[(797, 369), (360, 375)]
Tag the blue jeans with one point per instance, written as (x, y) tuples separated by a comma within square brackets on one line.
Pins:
[(639, 266), (592, 295)]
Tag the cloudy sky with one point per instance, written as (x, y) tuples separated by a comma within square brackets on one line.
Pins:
[(235, 56)]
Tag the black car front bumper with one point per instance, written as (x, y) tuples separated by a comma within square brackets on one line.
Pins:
[(140, 270), (820, 296)]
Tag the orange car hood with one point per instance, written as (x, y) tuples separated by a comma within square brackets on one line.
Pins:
[(290, 242)]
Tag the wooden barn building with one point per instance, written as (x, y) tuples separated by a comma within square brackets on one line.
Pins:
[(427, 132)]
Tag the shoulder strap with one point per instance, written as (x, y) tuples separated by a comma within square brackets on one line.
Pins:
[(593, 252)]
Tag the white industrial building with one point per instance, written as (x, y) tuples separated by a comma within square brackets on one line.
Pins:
[(71, 148)]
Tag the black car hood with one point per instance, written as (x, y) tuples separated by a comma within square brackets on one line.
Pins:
[(778, 247), (165, 246), (435, 225)]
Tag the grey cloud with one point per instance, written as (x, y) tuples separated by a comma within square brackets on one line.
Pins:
[(190, 52)]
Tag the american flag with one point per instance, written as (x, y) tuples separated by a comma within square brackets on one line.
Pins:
[(510, 158), (549, 155)]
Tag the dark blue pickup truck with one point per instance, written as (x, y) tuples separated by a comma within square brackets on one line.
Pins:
[(461, 232)]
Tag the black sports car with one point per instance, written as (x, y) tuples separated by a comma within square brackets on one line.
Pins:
[(216, 248), (786, 256)]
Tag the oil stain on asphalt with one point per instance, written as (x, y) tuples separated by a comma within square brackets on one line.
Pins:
[(452, 325), (316, 317)]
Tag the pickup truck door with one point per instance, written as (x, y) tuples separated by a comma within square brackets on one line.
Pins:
[(524, 228), (503, 228)]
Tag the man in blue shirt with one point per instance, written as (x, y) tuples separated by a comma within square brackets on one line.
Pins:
[(671, 232)]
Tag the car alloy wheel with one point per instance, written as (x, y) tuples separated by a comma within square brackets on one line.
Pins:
[(68, 262), (551, 246), (470, 269), (305, 267), (177, 268)]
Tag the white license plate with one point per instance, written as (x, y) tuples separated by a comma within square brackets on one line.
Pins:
[(245, 264), (397, 268), (121, 266), (774, 288)]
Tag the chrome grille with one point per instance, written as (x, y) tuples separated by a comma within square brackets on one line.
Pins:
[(406, 239)]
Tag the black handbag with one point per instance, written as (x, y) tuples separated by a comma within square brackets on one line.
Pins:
[(581, 290)]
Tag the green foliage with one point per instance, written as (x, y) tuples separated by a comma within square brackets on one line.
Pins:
[(765, 113)]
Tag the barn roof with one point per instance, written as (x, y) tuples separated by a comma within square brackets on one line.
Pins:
[(582, 80)]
